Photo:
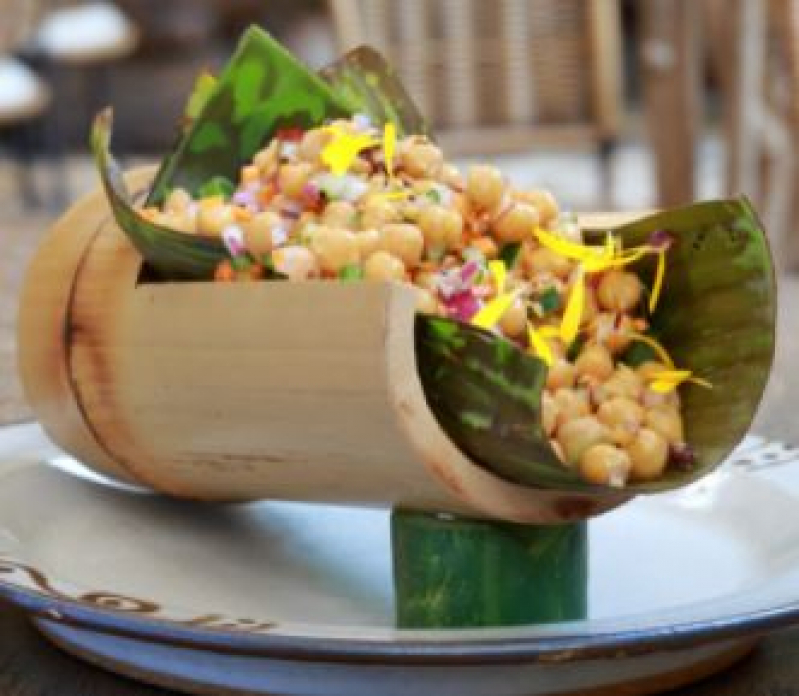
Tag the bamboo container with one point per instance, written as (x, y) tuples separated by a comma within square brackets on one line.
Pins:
[(233, 392)]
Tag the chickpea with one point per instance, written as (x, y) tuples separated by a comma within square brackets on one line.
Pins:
[(451, 176), (266, 159), (543, 201), (431, 222), (666, 422), (549, 413), (258, 233), (652, 398), (292, 178), (514, 322), (178, 201), (622, 416), (561, 374), (484, 186), (404, 241), (486, 246), (624, 382), (383, 266), (516, 223), (577, 435), (543, 260), (422, 160), (460, 204), (618, 328), (594, 362), (334, 248), (441, 226), (619, 291), (182, 221), (590, 307), (212, 218), (572, 404), (605, 465), (649, 454), (312, 144), (427, 279), (378, 212), (339, 214), (368, 243), (426, 302), (296, 262)]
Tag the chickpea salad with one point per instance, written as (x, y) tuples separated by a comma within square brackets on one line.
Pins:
[(349, 201)]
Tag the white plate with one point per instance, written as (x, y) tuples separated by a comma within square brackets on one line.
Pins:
[(296, 599)]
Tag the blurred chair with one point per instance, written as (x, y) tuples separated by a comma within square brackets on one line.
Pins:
[(759, 85), (24, 96), (85, 37), (501, 76)]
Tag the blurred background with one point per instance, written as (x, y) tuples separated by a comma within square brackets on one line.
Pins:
[(613, 104)]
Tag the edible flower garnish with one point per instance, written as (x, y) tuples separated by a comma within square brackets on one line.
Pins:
[(344, 147), (538, 346), (572, 316), (668, 380)]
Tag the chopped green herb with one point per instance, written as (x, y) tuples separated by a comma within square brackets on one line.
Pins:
[(509, 253), (351, 272), (575, 348), (549, 301), (433, 194), (240, 263), (217, 186)]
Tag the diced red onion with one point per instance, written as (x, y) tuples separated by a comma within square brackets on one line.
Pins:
[(463, 305), (661, 239), (469, 272), (244, 197), (362, 122), (233, 238)]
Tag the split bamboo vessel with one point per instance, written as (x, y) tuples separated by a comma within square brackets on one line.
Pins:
[(234, 392)]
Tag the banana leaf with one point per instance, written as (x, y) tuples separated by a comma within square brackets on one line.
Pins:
[(365, 80), (262, 89), (172, 255), (716, 317), (458, 573)]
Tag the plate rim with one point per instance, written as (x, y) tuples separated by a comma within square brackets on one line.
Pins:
[(403, 646), (565, 648)]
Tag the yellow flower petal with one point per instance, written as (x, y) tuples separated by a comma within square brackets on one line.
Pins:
[(573, 315), (539, 347), (657, 286), (549, 331), (499, 273), (490, 314), (573, 250), (389, 147), (668, 380), (654, 345), (343, 148)]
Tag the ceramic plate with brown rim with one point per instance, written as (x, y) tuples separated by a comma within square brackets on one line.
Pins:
[(296, 599)]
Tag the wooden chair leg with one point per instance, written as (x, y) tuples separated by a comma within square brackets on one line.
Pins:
[(22, 146), (606, 150)]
